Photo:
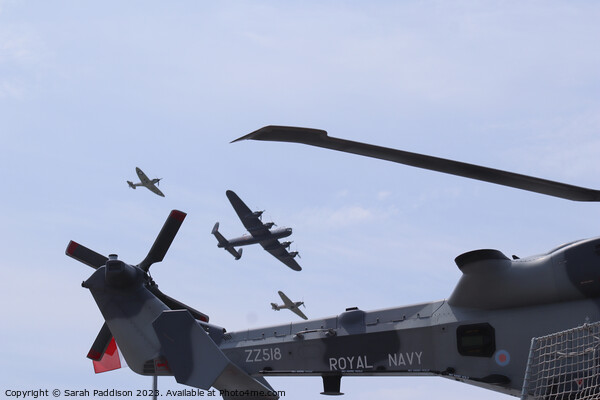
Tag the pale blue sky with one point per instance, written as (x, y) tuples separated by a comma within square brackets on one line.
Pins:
[(89, 91)]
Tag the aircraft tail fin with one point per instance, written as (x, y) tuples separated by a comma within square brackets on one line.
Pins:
[(237, 254), (274, 307), (225, 243), (196, 360), (220, 238), (131, 185)]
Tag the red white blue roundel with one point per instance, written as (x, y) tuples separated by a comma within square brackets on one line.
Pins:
[(502, 358)]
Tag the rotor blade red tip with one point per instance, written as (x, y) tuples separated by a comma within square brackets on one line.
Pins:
[(83, 254), (71, 248), (94, 355), (178, 215)]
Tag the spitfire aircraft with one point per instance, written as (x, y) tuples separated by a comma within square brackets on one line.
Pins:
[(479, 335), (293, 306), (148, 183), (260, 232)]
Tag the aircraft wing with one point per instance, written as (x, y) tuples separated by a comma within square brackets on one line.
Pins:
[(286, 300), (291, 305), (147, 182), (155, 189), (250, 220), (299, 313), (143, 178), (279, 252)]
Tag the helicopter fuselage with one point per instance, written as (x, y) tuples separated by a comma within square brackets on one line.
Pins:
[(479, 335)]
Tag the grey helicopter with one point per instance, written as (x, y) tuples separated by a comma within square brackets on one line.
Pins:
[(469, 337)]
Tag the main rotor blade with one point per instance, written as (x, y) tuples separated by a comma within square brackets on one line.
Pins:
[(100, 344), (164, 239), (176, 304), (319, 138), (85, 255)]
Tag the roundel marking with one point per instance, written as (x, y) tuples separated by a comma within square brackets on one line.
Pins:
[(502, 358)]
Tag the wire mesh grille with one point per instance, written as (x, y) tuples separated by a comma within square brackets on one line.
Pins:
[(564, 365)]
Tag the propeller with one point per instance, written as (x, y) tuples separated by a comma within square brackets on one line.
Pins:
[(120, 270), (295, 254), (319, 138), (271, 224)]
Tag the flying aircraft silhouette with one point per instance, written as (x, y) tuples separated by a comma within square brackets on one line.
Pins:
[(260, 232), (147, 183), (293, 306)]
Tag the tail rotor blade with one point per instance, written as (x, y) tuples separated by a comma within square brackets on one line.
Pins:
[(163, 240), (100, 344), (85, 255)]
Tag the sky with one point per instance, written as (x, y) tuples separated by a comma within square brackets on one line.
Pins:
[(91, 90)]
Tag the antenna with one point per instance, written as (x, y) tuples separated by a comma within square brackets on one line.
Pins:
[(154, 386)]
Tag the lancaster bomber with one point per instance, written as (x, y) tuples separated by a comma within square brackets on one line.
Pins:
[(479, 335), (260, 232)]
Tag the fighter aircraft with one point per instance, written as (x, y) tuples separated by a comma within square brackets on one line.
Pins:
[(480, 335), (293, 306), (148, 183), (260, 232)]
